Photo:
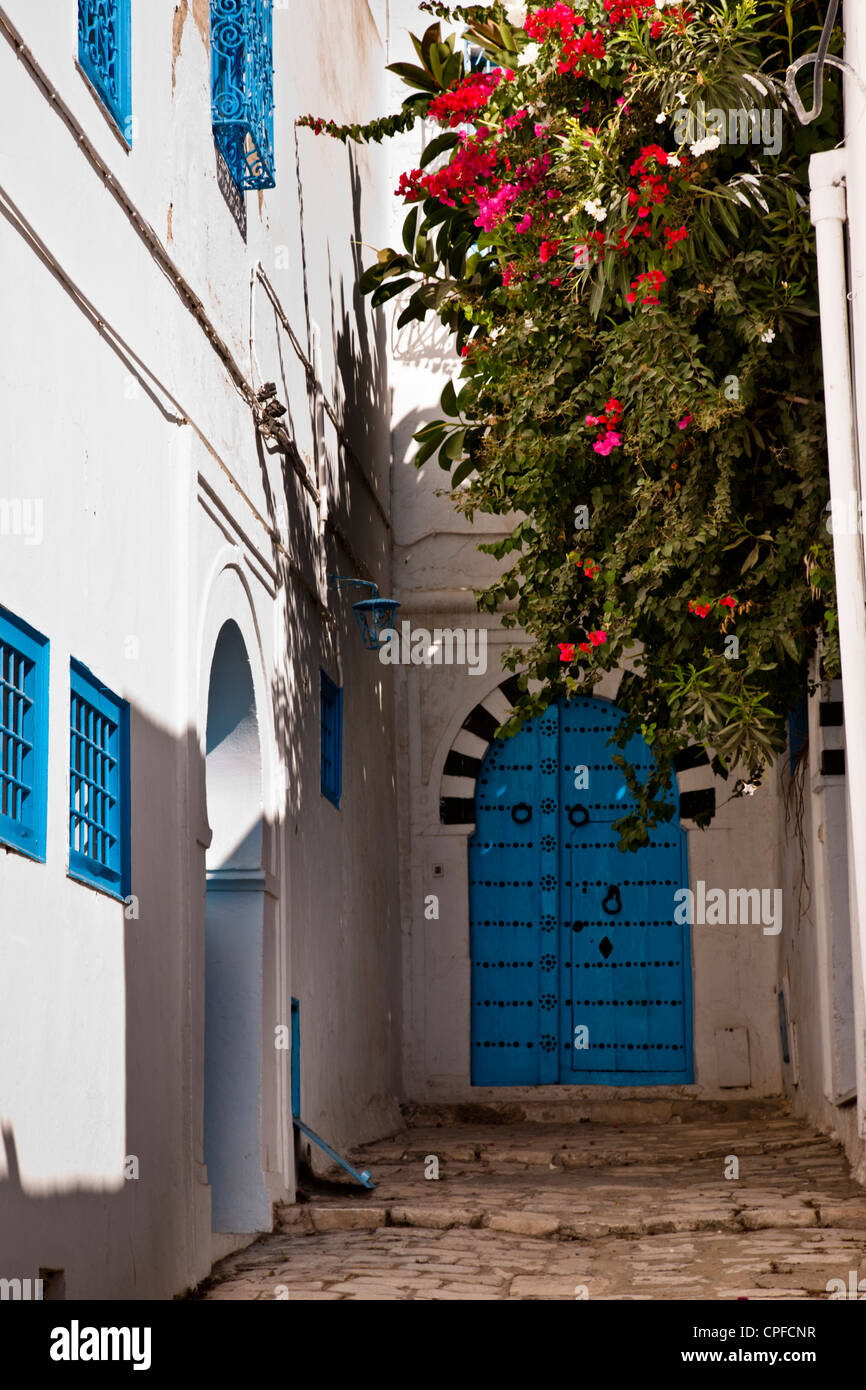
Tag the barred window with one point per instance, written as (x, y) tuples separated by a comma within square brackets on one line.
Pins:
[(104, 53), (23, 735), (331, 707), (242, 89), (98, 784)]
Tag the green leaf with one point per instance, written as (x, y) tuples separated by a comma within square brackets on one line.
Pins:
[(386, 292), (453, 447), (448, 399), (438, 146), (409, 229), (415, 77), (462, 472)]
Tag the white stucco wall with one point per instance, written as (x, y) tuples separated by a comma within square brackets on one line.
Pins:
[(158, 500)]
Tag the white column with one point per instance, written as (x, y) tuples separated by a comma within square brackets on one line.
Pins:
[(827, 174)]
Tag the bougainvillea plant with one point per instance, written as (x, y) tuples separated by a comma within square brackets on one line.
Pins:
[(632, 289)]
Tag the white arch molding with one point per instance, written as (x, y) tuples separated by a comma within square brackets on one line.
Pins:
[(236, 742), (465, 754)]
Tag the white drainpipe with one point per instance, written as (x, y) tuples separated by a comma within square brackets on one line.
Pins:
[(827, 176)]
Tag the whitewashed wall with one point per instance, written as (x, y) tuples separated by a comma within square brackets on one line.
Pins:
[(159, 512)]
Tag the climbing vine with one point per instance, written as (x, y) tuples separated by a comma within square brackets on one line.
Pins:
[(613, 220)]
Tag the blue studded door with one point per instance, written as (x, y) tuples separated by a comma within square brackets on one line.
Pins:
[(579, 972)]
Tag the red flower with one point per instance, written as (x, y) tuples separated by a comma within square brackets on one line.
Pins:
[(651, 280), (566, 651), (584, 646), (701, 609), (672, 236), (547, 250), (727, 602), (454, 107)]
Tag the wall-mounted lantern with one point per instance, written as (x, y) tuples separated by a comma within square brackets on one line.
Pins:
[(373, 614)]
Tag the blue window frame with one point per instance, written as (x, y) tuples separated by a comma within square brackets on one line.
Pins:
[(331, 706), (98, 784), (105, 54), (23, 735), (242, 89)]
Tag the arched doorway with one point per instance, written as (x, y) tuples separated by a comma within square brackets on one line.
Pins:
[(234, 945), (579, 972)]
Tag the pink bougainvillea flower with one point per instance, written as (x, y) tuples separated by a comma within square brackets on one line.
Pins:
[(684, 422), (584, 646), (566, 651), (673, 235), (525, 223), (597, 637), (727, 602), (547, 250), (610, 441), (540, 130), (460, 104), (593, 420), (508, 74), (700, 609)]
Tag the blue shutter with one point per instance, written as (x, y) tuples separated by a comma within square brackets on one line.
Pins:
[(98, 784), (331, 708), (23, 735), (105, 54), (242, 89)]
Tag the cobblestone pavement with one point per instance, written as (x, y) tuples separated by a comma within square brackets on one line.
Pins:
[(573, 1210)]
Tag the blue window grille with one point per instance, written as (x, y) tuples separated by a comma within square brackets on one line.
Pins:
[(23, 735), (105, 52), (332, 739), (242, 89), (98, 784)]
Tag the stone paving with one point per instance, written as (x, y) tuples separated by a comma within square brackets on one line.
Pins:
[(572, 1209)]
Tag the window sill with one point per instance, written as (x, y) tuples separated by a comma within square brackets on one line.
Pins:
[(103, 889), (35, 855)]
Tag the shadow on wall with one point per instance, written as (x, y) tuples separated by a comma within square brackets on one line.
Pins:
[(138, 1224)]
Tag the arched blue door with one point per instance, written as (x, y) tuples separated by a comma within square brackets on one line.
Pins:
[(579, 971)]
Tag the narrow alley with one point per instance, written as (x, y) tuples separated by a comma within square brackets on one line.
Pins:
[(616, 1200)]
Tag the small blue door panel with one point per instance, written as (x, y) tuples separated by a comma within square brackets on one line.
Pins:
[(573, 942)]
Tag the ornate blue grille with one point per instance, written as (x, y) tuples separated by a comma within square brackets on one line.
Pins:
[(23, 735), (242, 89), (104, 43), (98, 783)]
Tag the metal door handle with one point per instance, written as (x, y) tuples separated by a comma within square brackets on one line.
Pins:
[(612, 893)]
